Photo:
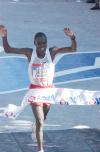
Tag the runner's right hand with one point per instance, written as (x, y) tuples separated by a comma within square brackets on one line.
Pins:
[(3, 31)]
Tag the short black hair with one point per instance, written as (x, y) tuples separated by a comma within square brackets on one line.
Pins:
[(40, 34)]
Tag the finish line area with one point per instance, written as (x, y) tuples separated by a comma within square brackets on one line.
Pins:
[(83, 73)]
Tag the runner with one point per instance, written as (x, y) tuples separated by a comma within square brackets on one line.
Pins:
[(43, 67)]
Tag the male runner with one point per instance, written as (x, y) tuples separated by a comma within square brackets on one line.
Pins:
[(42, 60)]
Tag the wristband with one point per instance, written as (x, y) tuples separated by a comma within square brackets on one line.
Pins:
[(73, 37)]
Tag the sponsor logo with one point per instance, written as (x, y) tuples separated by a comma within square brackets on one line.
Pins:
[(41, 98)]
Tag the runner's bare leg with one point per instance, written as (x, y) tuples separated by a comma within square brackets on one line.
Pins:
[(39, 116)]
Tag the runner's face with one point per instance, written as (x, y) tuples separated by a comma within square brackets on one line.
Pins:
[(41, 45)]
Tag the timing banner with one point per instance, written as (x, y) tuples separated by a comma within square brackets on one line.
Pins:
[(63, 96), (54, 96)]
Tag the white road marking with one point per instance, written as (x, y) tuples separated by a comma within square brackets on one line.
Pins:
[(52, 125), (11, 56), (81, 127), (21, 125), (78, 80), (15, 0), (13, 91)]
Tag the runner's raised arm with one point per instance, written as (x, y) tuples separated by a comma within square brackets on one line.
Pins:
[(8, 49), (68, 32)]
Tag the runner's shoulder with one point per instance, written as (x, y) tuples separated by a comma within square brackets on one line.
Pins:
[(27, 52)]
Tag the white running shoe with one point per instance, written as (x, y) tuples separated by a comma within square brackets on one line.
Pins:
[(41, 151)]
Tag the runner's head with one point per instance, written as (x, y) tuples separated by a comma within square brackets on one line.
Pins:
[(40, 41)]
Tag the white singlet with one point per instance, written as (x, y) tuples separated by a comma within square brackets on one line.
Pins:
[(41, 70)]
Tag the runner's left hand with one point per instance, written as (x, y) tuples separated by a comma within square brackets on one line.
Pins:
[(68, 32)]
